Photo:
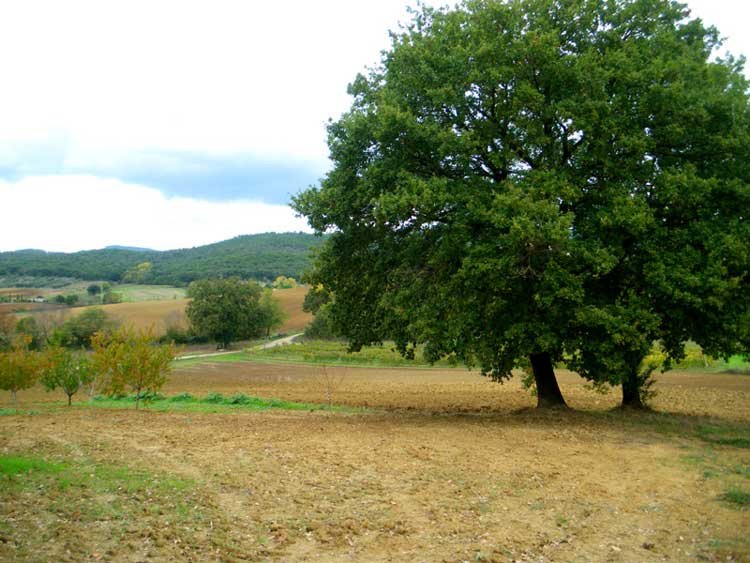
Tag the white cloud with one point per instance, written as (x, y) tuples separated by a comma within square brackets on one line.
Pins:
[(730, 17), (91, 84), (68, 213), (222, 76), (236, 76)]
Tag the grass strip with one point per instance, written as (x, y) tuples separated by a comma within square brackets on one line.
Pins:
[(335, 353), (211, 403)]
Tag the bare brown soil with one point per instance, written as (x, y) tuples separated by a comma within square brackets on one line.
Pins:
[(446, 466)]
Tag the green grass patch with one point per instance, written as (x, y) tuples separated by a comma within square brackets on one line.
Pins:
[(738, 365), (211, 403), (134, 293), (13, 465), (695, 360), (22, 472), (17, 412), (335, 353), (183, 398), (737, 498), (725, 435), (231, 357), (106, 502)]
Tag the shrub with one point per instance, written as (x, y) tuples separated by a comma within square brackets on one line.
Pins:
[(77, 331), (321, 327), (178, 335)]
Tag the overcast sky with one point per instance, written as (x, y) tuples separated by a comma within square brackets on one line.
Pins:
[(174, 124)]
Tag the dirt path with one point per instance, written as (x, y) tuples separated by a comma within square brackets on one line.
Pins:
[(279, 342), (272, 344)]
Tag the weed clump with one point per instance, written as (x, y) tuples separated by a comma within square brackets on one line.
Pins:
[(737, 498), (182, 398), (146, 396), (213, 398), (238, 399)]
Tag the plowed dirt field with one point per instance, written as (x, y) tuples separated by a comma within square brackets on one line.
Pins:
[(443, 465)]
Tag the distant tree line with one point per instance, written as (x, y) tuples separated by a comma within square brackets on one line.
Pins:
[(260, 257)]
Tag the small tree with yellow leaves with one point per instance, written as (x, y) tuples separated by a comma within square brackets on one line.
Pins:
[(130, 359), (19, 367)]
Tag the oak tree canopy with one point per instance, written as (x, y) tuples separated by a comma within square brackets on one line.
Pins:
[(518, 183)]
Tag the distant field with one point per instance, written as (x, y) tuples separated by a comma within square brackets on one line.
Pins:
[(21, 307), (141, 315), (133, 293), (291, 302), (161, 314), (25, 291)]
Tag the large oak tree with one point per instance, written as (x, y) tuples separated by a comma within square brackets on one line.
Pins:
[(521, 182)]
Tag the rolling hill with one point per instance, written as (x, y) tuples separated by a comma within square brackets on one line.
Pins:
[(261, 257)]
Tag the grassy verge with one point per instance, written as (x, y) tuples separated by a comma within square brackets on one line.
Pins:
[(735, 364), (333, 353), (231, 357)]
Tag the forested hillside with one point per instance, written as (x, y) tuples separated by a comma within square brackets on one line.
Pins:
[(263, 256)]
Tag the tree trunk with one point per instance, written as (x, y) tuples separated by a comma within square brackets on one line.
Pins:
[(631, 394), (15, 397), (547, 391), (70, 399)]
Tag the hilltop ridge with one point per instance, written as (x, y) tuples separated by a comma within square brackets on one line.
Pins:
[(262, 257)]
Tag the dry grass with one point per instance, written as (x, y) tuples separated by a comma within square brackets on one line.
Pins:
[(161, 314), (291, 302), (25, 291), (143, 315)]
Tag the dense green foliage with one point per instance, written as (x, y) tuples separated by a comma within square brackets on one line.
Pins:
[(7, 330), (272, 315), (29, 327), (262, 257), (523, 182), (226, 310), (321, 327), (66, 370), (78, 331)]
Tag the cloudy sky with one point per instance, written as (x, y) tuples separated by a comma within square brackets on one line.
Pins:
[(169, 124)]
